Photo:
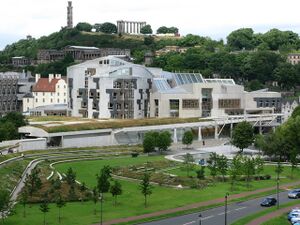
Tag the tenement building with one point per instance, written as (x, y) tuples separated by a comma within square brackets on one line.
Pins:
[(110, 87), (46, 91), (80, 53)]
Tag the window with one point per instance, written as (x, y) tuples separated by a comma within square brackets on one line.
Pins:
[(174, 104), (36, 100), (43, 100), (58, 100), (190, 104), (51, 100), (65, 100), (229, 103), (27, 100)]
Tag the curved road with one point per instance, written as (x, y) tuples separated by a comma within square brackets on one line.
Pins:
[(216, 216)]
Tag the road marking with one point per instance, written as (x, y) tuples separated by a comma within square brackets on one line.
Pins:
[(206, 218), (189, 223), (240, 208), (220, 214)]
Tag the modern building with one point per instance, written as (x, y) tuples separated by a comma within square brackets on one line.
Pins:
[(46, 91), (130, 27), (13, 86), (110, 87), (293, 58), (79, 53), (49, 110)]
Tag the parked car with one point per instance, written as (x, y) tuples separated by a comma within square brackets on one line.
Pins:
[(297, 223), (294, 193), (295, 220), (269, 201), (293, 214)]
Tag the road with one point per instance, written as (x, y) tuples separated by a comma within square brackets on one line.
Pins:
[(216, 216)]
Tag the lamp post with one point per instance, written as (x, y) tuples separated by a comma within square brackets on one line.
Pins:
[(277, 192), (101, 208), (200, 219), (226, 196)]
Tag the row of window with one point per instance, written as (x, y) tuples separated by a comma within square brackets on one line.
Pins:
[(51, 93), (51, 100), (229, 103)]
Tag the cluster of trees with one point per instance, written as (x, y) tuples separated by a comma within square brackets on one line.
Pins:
[(157, 140), (167, 30), (9, 125)]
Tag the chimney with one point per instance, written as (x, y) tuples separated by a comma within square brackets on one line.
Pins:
[(37, 77), (58, 76), (51, 76)]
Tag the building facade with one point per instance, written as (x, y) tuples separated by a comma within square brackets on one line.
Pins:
[(46, 91), (20, 61), (293, 58), (130, 27), (79, 53), (13, 86), (109, 87)]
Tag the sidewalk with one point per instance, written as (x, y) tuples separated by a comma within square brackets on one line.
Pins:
[(272, 215), (196, 205)]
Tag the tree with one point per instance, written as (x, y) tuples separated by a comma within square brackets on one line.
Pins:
[(146, 30), (212, 164), (248, 168), (241, 39), (146, 187), (235, 169), (82, 26), (242, 135), (8, 131), (296, 112), (44, 208), (149, 142), (95, 198), (222, 165), (187, 138), (258, 142), (162, 30), (115, 190), (5, 203), (33, 182), (188, 162), (23, 201), (70, 177), (201, 173), (286, 76), (103, 183), (259, 165), (108, 28), (60, 203), (164, 141)]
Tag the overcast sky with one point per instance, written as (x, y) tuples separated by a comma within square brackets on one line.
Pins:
[(214, 18)]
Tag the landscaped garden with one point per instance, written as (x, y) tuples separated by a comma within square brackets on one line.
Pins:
[(131, 201)]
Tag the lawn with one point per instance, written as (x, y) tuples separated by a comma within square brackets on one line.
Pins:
[(131, 201), (282, 220)]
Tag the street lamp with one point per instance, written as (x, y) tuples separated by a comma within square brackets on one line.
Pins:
[(200, 219), (101, 208), (226, 196), (277, 192)]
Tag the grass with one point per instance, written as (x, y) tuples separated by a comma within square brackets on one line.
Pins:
[(10, 174), (251, 217), (131, 201), (54, 118), (119, 124), (282, 220)]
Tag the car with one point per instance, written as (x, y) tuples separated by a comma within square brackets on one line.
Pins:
[(269, 201), (294, 193), (295, 220), (293, 214), (297, 223)]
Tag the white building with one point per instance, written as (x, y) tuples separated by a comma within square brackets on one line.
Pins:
[(109, 87), (288, 106), (46, 91)]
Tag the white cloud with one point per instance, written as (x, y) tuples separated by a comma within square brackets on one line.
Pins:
[(214, 18)]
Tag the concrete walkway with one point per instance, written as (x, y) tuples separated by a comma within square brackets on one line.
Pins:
[(196, 205)]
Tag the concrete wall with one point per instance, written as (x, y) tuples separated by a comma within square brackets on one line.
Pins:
[(27, 144)]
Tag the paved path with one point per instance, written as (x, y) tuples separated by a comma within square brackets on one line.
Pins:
[(197, 205), (272, 215)]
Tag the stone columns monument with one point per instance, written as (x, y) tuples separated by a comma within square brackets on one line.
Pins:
[(130, 27)]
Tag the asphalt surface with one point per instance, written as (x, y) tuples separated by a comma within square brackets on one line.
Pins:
[(216, 216)]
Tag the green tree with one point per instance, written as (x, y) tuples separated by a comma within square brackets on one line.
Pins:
[(259, 165), (241, 39), (108, 28), (146, 187), (149, 142), (296, 112), (187, 138), (33, 182), (115, 190), (212, 164), (146, 30), (103, 179), (95, 198), (82, 26), (23, 201), (235, 170), (60, 203), (222, 165), (248, 168), (188, 162), (8, 131), (44, 208), (5, 203), (162, 30), (242, 135), (286, 76), (201, 173), (70, 177), (164, 141)]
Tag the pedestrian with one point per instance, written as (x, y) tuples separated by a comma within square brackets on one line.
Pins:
[(203, 142)]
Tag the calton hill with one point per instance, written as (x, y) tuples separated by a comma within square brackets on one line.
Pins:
[(256, 60)]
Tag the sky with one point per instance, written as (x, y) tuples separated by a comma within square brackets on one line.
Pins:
[(213, 18)]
